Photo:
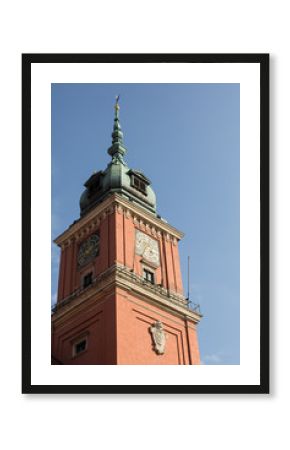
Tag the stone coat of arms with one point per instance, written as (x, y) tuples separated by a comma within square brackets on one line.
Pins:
[(158, 337)]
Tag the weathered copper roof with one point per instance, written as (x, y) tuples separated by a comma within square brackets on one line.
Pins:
[(117, 177)]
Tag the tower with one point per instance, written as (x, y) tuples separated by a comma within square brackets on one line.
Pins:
[(120, 294)]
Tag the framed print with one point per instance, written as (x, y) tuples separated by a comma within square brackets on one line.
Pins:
[(145, 223)]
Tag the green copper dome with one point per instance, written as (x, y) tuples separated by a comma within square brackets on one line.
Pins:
[(118, 177)]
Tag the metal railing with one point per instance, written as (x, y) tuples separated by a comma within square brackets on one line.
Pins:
[(156, 288)]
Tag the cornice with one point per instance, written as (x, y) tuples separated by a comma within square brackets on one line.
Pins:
[(91, 221), (119, 276)]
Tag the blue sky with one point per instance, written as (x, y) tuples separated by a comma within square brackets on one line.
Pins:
[(186, 139)]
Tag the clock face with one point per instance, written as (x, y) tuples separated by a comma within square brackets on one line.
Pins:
[(89, 249), (147, 248)]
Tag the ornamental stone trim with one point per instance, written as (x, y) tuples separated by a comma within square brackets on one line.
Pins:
[(85, 224), (138, 222), (123, 275), (158, 337)]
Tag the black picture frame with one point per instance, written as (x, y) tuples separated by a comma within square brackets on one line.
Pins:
[(263, 61)]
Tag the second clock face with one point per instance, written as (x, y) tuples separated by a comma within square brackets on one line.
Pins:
[(88, 250), (147, 247)]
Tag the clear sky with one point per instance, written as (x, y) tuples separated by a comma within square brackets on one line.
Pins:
[(186, 139)]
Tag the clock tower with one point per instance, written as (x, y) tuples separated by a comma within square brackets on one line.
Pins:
[(120, 294)]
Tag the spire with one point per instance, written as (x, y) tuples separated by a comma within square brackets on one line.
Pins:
[(117, 149)]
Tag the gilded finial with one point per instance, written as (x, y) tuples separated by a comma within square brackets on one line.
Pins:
[(117, 106)]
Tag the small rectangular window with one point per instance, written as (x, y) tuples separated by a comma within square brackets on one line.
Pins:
[(148, 276), (142, 186), (138, 184), (88, 279), (80, 347)]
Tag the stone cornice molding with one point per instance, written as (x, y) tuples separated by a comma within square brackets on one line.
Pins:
[(119, 276), (141, 218)]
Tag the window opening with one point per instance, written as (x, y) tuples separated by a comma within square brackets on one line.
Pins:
[(88, 279), (148, 276), (80, 346), (139, 184)]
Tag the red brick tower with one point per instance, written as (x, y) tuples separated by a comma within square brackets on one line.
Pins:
[(120, 294)]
